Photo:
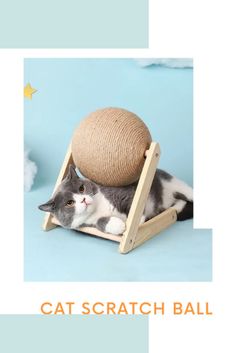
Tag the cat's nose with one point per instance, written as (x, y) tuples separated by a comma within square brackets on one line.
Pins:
[(84, 200)]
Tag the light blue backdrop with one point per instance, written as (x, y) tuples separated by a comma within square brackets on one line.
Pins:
[(73, 333), (68, 89)]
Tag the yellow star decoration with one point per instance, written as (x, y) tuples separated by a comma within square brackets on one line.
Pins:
[(29, 91)]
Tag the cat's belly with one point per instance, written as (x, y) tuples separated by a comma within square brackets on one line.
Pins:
[(104, 209)]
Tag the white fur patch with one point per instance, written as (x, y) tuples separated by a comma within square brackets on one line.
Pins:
[(82, 211), (115, 226), (149, 208), (142, 219), (167, 197), (179, 205)]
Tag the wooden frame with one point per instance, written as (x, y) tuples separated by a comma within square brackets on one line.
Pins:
[(135, 234)]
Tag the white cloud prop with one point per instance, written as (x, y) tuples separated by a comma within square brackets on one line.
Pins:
[(173, 63), (30, 170)]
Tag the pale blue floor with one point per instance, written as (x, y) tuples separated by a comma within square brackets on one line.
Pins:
[(67, 91)]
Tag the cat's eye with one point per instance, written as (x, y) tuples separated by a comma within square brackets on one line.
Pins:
[(70, 203), (81, 188)]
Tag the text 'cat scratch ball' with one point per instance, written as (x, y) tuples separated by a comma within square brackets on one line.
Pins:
[(109, 146)]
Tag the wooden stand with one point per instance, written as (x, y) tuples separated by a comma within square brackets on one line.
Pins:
[(135, 234)]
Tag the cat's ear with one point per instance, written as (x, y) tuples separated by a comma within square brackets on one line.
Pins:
[(48, 206), (71, 173)]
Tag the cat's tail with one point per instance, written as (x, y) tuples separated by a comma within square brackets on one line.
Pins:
[(184, 200), (186, 212)]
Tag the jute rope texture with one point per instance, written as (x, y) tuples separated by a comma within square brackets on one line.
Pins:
[(108, 146)]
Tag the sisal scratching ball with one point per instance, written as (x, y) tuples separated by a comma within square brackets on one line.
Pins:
[(109, 145)]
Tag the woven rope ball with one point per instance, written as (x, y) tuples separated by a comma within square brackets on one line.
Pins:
[(109, 145)]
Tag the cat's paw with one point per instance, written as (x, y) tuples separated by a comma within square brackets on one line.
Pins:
[(115, 225)]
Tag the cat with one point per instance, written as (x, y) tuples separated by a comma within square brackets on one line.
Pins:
[(80, 202)]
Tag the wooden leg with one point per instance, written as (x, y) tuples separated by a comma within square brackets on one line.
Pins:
[(154, 226), (48, 224), (136, 234), (140, 198)]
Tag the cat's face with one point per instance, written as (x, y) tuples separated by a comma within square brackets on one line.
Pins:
[(73, 200)]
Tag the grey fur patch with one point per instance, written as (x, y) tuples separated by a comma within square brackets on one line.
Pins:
[(164, 175), (64, 214), (102, 222), (180, 196)]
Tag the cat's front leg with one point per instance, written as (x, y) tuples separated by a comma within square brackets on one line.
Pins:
[(113, 225)]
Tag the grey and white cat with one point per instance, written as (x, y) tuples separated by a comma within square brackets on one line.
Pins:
[(80, 202)]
